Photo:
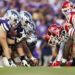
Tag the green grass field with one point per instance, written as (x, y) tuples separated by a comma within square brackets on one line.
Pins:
[(37, 71)]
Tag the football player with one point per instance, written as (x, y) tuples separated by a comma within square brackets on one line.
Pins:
[(60, 34), (29, 26), (54, 38), (24, 26), (70, 17), (6, 23)]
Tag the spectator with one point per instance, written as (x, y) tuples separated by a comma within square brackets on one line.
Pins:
[(46, 53), (41, 29), (49, 20)]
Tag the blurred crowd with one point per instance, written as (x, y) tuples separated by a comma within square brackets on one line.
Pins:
[(44, 13)]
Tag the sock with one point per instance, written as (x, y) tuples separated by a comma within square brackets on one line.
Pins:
[(59, 57), (22, 58), (50, 61), (70, 60), (10, 60), (64, 60), (73, 63), (74, 60), (60, 53), (13, 60)]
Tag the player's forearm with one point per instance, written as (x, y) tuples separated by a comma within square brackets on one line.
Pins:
[(12, 32)]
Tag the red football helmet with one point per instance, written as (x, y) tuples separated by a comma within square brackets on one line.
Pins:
[(54, 30), (53, 35), (51, 29), (66, 7), (57, 31)]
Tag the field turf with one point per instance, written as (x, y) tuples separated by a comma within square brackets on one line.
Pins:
[(37, 71)]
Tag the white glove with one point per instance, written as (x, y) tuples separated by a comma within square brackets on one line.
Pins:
[(20, 39)]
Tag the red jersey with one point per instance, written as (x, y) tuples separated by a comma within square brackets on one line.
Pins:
[(71, 19)]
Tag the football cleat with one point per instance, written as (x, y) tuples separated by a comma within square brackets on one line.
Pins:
[(25, 63), (50, 64), (5, 61), (57, 63), (68, 64), (12, 64)]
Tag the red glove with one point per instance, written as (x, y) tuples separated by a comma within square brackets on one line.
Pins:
[(47, 37)]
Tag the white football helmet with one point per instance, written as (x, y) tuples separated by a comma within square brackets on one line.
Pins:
[(25, 18), (30, 27), (12, 16), (66, 7)]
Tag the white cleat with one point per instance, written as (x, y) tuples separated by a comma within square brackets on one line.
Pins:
[(24, 62), (6, 63), (12, 64)]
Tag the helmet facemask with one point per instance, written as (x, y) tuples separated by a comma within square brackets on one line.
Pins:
[(24, 22), (25, 18), (66, 11), (13, 21), (67, 7)]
